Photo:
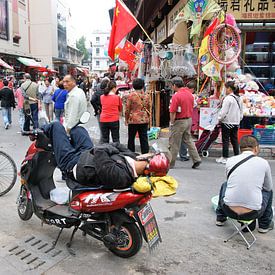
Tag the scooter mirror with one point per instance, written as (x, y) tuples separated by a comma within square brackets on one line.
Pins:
[(85, 118)]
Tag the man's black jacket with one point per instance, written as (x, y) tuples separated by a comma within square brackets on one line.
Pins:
[(106, 165), (95, 101), (7, 98)]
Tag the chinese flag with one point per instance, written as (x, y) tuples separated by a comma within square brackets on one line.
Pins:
[(130, 47), (126, 55), (123, 22)]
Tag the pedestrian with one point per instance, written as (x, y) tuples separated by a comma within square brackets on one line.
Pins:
[(7, 102), (109, 118), (230, 117), (181, 110), (247, 194), (31, 101), (95, 101), (47, 100), (20, 101), (75, 105), (137, 116), (59, 98), (55, 83)]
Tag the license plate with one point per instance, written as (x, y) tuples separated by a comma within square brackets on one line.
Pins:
[(149, 222)]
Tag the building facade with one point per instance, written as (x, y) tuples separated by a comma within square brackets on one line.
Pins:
[(38, 29), (99, 50)]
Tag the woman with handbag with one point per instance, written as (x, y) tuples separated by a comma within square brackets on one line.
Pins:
[(137, 116)]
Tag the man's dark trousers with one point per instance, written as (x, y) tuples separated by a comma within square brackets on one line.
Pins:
[(67, 152), (264, 215)]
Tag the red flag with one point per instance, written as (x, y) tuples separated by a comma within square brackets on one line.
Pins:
[(130, 47), (123, 22), (125, 55), (131, 65)]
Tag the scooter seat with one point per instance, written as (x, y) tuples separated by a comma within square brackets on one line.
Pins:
[(76, 186)]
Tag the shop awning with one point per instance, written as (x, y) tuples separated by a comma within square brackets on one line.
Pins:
[(5, 65), (29, 62)]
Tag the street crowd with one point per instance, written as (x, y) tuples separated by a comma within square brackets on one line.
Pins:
[(64, 100)]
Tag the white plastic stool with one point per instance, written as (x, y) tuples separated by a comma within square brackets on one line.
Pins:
[(239, 231)]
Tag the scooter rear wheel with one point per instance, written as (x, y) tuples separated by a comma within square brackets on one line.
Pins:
[(129, 240), (24, 206)]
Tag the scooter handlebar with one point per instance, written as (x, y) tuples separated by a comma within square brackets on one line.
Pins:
[(31, 133)]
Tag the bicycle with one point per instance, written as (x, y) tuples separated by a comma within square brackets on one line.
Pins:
[(8, 173)]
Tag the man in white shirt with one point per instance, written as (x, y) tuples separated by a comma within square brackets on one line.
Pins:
[(76, 103), (247, 194)]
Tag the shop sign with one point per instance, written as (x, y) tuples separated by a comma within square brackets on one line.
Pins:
[(173, 15), (249, 10), (161, 31), (4, 22)]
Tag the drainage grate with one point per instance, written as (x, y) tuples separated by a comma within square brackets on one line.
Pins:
[(32, 255)]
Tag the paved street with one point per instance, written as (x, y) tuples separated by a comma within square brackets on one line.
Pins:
[(192, 244)]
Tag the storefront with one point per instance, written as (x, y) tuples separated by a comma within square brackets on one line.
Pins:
[(256, 19)]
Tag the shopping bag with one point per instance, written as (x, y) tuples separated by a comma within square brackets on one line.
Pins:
[(42, 118)]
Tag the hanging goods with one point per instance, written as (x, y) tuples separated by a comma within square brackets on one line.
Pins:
[(223, 39)]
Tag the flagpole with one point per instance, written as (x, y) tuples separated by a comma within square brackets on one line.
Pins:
[(147, 35)]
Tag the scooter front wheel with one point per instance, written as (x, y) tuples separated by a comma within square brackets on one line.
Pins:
[(128, 239), (24, 205)]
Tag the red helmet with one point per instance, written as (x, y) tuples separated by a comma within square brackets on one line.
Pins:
[(159, 165)]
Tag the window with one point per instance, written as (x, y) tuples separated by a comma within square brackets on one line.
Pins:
[(97, 63), (97, 39), (97, 51)]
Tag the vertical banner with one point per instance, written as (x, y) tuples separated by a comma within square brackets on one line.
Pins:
[(4, 22)]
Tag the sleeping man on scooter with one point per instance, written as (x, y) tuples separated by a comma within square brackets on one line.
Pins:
[(107, 165)]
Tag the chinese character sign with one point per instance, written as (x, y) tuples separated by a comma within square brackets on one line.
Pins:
[(249, 9)]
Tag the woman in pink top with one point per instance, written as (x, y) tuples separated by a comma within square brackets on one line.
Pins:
[(109, 118), (20, 100)]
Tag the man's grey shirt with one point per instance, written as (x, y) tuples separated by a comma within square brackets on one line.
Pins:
[(245, 184)]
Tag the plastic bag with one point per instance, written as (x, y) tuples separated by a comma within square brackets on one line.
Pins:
[(42, 118), (60, 195)]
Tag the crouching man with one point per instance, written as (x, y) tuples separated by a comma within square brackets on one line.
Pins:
[(247, 194)]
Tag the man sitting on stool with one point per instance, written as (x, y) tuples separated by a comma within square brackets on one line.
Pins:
[(247, 194)]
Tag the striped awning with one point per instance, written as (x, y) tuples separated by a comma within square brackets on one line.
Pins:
[(5, 65), (29, 62)]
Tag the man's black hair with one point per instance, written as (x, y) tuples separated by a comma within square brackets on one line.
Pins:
[(178, 82), (138, 84)]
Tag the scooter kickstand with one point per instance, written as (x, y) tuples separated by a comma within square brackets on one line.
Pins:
[(56, 240), (69, 244)]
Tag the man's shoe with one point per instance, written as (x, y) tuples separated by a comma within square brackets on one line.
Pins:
[(196, 164), (221, 160), (221, 222), (265, 230), (7, 126)]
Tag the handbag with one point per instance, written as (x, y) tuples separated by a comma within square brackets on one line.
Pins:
[(26, 103)]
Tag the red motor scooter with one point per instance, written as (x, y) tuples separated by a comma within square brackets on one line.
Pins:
[(118, 218)]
